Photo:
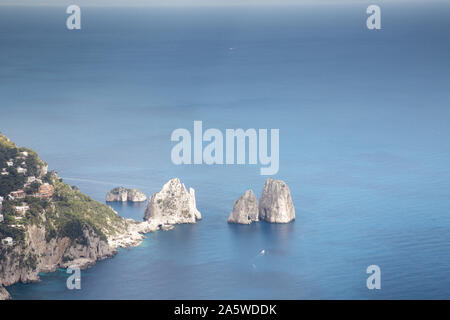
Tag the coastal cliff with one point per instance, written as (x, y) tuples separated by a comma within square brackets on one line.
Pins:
[(121, 194), (24, 261), (46, 224), (245, 209), (172, 205)]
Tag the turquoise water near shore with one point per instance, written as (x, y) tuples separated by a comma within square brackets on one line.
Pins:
[(363, 119)]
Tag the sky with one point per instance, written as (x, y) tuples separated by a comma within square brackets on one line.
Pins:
[(110, 3)]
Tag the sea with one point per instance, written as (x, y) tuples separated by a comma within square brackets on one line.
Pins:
[(363, 118)]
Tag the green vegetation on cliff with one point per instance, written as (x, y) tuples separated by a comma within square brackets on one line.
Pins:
[(73, 210), (15, 180)]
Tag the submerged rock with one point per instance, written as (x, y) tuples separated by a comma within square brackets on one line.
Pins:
[(122, 194), (172, 205), (276, 204), (245, 209)]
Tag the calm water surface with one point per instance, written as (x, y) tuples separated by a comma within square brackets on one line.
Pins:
[(363, 119)]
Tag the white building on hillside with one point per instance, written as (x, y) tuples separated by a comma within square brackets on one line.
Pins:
[(21, 170), (22, 209), (7, 241)]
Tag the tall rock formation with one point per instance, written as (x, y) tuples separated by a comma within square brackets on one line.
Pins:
[(276, 204), (245, 209), (172, 205)]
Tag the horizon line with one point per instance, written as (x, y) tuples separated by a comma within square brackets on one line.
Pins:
[(224, 4)]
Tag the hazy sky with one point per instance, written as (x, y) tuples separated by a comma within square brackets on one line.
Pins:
[(150, 2), (108, 3)]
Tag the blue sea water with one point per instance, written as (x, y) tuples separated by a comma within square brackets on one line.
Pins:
[(364, 142)]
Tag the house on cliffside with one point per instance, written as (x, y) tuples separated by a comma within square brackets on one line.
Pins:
[(45, 191)]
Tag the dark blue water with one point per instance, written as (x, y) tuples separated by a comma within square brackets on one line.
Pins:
[(363, 119)]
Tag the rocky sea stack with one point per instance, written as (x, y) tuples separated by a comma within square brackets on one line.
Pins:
[(245, 209), (122, 194), (275, 204), (172, 205)]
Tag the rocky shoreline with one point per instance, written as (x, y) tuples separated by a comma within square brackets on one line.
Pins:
[(64, 253), (173, 204), (81, 256), (4, 295)]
